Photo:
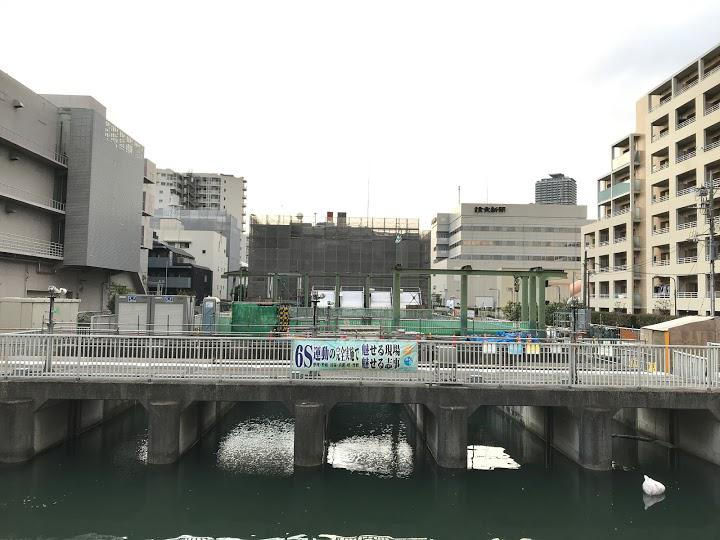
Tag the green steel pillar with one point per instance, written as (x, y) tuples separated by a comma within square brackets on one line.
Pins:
[(428, 302), (524, 307), (367, 291), (337, 290), (532, 302), (541, 302), (396, 299), (306, 289), (463, 303)]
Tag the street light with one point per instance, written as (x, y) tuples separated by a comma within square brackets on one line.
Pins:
[(314, 300), (53, 293)]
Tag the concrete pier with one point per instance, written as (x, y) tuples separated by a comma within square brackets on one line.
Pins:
[(174, 429), (444, 431), (595, 438), (310, 423), (16, 430)]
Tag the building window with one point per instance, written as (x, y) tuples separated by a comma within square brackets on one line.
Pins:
[(203, 251)]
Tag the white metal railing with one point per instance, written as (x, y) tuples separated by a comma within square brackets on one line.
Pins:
[(665, 100), (18, 193), (602, 243), (661, 295), (687, 294), (620, 268), (660, 135), (660, 230), (685, 88), (661, 198), (603, 295), (686, 225), (685, 191), (30, 246), (661, 262), (711, 71), (37, 148), (685, 156), (712, 108), (190, 358), (685, 122), (711, 146), (685, 260), (604, 269), (620, 240), (620, 212), (660, 167)]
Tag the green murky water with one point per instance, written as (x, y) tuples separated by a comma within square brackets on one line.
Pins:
[(239, 482)]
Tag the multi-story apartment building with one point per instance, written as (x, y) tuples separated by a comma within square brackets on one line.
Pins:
[(506, 237), (648, 251), (71, 188), (189, 190), (557, 189)]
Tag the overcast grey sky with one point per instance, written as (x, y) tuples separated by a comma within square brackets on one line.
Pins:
[(308, 99)]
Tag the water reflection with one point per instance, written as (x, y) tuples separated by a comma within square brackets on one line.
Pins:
[(370, 440), (258, 446)]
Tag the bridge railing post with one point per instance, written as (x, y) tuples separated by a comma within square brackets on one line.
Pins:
[(573, 364)]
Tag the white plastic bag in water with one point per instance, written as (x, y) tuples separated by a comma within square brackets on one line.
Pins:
[(652, 487)]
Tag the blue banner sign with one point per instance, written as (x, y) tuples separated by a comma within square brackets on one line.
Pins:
[(373, 355)]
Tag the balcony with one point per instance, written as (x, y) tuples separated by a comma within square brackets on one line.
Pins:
[(661, 262), (685, 225), (685, 155), (712, 108), (620, 240), (661, 295), (686, 87), (687, 294), (660, 166), (24, 245), (688, 259), (685, 191), (685, 122), (621, 188), (660, 230), (661, 198), (711, 145), (32, 199), (24, 143), (660, 135), (621, 161)]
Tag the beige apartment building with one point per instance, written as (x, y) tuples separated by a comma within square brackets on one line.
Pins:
[(648, 250)]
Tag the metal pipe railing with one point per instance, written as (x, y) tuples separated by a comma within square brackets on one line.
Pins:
[(483, 362)]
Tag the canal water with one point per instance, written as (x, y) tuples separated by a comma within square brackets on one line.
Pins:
[(238, 482)]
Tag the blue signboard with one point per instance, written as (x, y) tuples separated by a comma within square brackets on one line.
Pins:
[(373, 355)]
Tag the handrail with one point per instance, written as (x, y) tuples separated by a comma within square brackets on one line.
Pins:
[(656, 168), (686, 225), (196, 359), (661, 230), (711, 146), (685, 191), (685, 122), (659, 135), (685, 156), (660, 199), (16, 192), (712, 108), (37, 148), (30, 246), (711, 71), (685, 260), (661, 262)]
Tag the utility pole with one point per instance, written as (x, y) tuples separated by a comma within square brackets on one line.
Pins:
[(586, 297), (707, 199)]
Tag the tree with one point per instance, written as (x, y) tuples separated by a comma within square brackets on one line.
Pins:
[(116, 289), (512, 310)]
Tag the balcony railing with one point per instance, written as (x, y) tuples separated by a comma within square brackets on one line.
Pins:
[(661, 198), (685, 122), (29, 144), (712, 108), (25, 245), (604, 269), (17, 193), (711, 71), (660, 230), (620, 240), (661, 166), (685, 88), (602, 243), (620, 268), (687, 294), (661, 295), (686, 225), (685, 156), (711, 145), (603, 295), (685, 191), (660, 135), (685, 260), (661, 262)]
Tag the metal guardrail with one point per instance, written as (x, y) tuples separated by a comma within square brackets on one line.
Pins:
[(34, 146), (30, 246), (189, 358), (15, 192)]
